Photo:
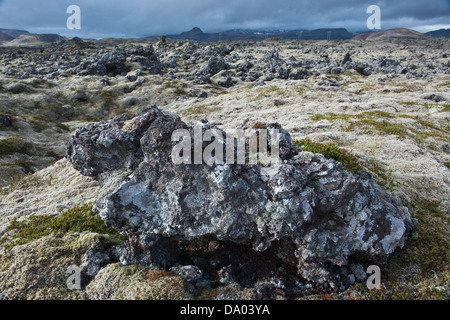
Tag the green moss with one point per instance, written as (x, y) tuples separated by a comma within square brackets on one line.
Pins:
[(37, 124), (431, 247), (381, 173), (62, 126), (376, 122), (199, 110), (432, 207), (15, 145), (175, 85), (59, 96), (353, 76), (24, 164), (408, 103), (20, 88), (427, 250), (268, 92), (215, 88), (179, 88), (241, 89), (441, 107), (37, 270), (119, 111), (229, 291), (408, 87), (118, 282), (109, 99), (81, 91), (396, 291), (420, 270), (77, 219), (21, 181), (44, 114), (445, 84), (384, 127), (331, 151), (445, 107), (180, 92), (345, 116), (41, 84), (430, 251), (434, 148)]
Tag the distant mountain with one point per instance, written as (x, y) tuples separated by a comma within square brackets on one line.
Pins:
[(5, 37), (324, 34), (33, 40), (361, 36), (397, 33), (444, 33), (13, 32), (197, 34)]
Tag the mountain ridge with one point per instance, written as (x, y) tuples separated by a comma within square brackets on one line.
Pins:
[(439, 33), (5, 37), (197, 34), (395, 33), (18, 38), (14, 32), (33, 40)]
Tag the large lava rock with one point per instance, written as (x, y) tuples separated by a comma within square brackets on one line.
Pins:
[(311, 214), (274, 66), (113, 63)]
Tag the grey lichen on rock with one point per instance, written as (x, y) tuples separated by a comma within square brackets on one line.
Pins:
[(317, 214)]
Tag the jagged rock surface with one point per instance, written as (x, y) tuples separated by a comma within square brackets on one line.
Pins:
[(112, 63), (312, 214)]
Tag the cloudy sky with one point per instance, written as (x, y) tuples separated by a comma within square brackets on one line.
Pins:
[(137, 18)]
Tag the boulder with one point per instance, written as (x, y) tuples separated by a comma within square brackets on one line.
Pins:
[(5, 120), (147, 58), (214, 65), (226, 83), (274, 66), (112, 63), (347, 58), (362, 69), (433, 97), (299, 74), (244, 66), (305, 212)]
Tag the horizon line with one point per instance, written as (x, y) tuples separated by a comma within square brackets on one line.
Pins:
[(268, 29)]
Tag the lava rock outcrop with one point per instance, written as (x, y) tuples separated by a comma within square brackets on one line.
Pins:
[(309, 214)]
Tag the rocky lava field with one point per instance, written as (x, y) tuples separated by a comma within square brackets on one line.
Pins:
[(367, 133)]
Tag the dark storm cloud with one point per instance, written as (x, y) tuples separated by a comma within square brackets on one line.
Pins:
[(140, 18)]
